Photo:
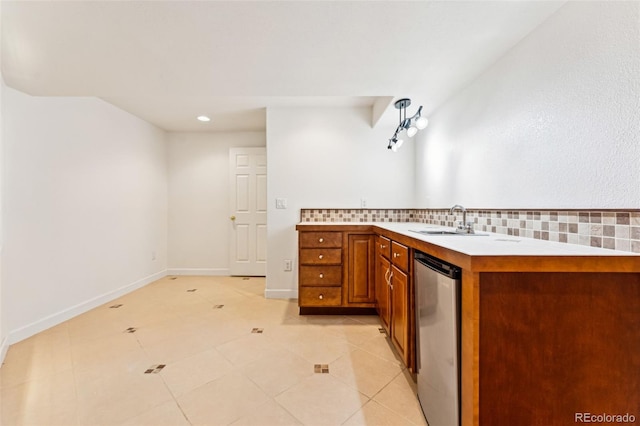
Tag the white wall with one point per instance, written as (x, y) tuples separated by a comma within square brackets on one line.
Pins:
[(326, 158), (199, 199), (553, 124), (4, 333), (85, 207)]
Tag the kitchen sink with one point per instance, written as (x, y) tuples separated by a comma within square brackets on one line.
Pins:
[(443, 232)]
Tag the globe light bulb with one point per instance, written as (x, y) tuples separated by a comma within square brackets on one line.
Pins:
[(421, 122), (397, 145)]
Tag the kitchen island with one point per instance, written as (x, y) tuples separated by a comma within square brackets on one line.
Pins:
[(549, 330)]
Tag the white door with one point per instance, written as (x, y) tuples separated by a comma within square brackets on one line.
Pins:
[(248, 211)]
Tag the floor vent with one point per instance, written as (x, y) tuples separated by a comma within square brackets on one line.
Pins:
[(382, 330), (321, 368), (115, 306), (192, 290), (155, 369), (246, 278), (173, 278), (257, 330), (130, 330), (218, 306)]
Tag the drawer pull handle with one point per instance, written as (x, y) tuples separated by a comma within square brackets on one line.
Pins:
[(382, 246), (320, 256), (396, 254), (321, 275), (321, 240), (321, 297)]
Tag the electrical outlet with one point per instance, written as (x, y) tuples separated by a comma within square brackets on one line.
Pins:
[(281, 203), (288, 265), (153, 255), (363, 202)]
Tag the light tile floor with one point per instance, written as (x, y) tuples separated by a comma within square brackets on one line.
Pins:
[(91, 370)]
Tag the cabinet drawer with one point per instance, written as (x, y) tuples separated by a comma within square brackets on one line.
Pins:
[(383, 245), (321, 239), (400, 256), (321, 275), (320, 296), (320, 256)]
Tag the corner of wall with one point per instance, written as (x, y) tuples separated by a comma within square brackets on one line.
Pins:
[(4, 341), (4, 347)]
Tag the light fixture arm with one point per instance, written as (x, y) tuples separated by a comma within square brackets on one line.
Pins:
[(417, 114)]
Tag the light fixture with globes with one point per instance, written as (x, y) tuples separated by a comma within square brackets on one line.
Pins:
[(410, 125)]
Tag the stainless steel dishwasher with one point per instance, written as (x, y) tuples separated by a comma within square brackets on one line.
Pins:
[(437, 286)]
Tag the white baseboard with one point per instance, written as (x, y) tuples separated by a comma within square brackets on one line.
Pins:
[(203, 272), (4, 347), (64, 315), (280, 294)]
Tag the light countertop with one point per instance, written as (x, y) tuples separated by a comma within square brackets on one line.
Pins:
[(489, 244)]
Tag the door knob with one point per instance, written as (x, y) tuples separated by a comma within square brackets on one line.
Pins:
[(232, 218)]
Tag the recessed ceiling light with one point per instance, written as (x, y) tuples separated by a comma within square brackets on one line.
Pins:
[(203, 118)]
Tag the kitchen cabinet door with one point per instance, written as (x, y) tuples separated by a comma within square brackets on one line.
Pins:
[(400, 312), (383, 304), (361, 268)]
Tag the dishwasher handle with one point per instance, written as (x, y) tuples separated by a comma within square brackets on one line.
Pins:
[(437, 265)]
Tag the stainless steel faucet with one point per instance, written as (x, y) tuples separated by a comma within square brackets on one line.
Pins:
[(463, 227)]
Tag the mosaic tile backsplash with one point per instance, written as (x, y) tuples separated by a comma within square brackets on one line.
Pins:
[(615, 230)]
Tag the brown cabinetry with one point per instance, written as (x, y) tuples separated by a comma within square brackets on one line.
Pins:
[(400, 305), (400, 312), (383, 271), (321, 239), (320, 274), (337, 269), (393, 294), (361, 269), (312, 256), (320, 296), (317, 275)]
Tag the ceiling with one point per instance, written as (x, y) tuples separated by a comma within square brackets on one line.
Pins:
[(169, 61)]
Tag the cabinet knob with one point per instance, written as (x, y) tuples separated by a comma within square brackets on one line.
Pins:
[(320, 256), (396, 254), (321, 297), (321, 240), (321, 275)]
